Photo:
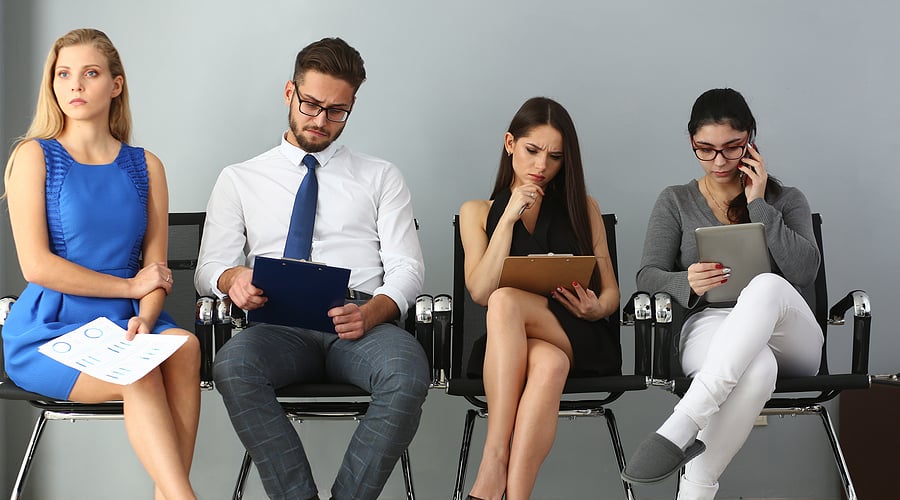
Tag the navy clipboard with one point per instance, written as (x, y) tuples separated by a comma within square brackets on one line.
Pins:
[(300, 293)]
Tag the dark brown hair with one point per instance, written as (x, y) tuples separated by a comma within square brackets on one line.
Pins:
[(334, 57), (569, 182)]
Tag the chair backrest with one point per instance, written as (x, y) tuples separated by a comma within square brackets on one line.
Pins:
[(821, 289), (469, 317), (185, 230)]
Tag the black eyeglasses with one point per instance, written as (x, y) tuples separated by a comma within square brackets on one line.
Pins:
[(729, 153), (310, 108)]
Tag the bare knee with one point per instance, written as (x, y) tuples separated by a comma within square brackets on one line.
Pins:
[(186, 359), (190, 351), (548, 365), (151, 382), (504, 302)]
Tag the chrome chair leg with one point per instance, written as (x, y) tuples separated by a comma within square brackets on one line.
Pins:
[(464, 455), (242, 477), (617, 449), (248, 461), (29, 456), (407, 475), (838, 454)]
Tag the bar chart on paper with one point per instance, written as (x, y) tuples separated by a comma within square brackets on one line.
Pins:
[(99, 349)]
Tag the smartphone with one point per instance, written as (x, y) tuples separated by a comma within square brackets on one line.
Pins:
[(747, 155)]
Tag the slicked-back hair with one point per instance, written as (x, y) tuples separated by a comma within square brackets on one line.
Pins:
[(333, 57)]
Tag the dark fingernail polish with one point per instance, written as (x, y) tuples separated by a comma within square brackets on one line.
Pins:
[(725, 280), (574, 283), (718, 266)]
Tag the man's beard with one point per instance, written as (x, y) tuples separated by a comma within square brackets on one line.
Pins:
[(312, 147)]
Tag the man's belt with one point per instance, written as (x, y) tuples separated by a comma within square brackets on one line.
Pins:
[(357, 295)]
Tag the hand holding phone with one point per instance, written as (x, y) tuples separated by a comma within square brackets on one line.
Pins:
[(754, 179), (748, 155)]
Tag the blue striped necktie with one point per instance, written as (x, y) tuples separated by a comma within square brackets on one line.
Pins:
[(303, 218)]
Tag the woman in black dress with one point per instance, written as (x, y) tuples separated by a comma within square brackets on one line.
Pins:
[(539, 205)]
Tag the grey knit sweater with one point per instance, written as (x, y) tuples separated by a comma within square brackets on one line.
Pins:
[(670, 246)]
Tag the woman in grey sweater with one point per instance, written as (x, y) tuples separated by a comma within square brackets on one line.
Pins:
[(736, 350)]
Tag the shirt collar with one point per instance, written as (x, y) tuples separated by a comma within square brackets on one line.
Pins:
[(295, 155)]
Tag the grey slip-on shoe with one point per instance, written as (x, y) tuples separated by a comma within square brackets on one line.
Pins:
[(657, 458)]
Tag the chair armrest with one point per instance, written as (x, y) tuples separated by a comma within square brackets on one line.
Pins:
[(6, 304), (203, 329), (425, 332), (858, 299), (862, 324), (662, 336), (223, 322), (443, 316), (638, 313)]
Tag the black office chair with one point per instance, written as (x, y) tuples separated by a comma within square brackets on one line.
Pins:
[(324, 401), (469, 326), (184, 243), (794, 395)]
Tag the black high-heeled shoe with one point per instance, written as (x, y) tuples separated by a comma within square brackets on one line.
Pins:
[(470, 497)]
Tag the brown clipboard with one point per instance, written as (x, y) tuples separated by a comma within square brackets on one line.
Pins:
[(541, 274)]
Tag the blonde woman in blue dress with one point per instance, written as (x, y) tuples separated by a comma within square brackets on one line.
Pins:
[(85, 207)]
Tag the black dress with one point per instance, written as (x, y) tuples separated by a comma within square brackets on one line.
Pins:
[(595, 344)]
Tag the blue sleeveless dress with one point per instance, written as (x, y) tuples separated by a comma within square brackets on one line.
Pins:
[(96, 217)]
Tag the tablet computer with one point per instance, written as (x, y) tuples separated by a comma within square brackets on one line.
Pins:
[(739, 247), (541, 274), (300, 293)]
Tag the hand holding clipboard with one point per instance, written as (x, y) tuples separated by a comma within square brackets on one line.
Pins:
[(541, 274), (299, 293)]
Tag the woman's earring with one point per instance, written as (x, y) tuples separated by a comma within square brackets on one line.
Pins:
[(508, 153)]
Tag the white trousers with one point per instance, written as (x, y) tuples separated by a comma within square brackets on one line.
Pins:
[(735, 356)]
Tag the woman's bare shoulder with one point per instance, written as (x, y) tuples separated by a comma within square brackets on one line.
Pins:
[(29, 151), (27, 155), (475, 209)]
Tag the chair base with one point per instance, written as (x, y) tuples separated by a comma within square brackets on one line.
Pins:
[(110, 411), (893, 380), (25, 468), (466, 446), (839, 460), (300, 410), (248, 461), (822, 412)]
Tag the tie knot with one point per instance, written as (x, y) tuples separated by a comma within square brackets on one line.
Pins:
[(310, 161)]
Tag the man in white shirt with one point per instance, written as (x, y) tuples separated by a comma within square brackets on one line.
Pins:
[(364, 222)]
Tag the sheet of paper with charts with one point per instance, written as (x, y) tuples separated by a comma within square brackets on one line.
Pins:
[(99, 349)]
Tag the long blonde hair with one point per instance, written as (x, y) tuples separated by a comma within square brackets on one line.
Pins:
[(49, 119)]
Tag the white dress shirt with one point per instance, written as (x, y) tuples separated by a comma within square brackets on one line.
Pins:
[(364, 220)]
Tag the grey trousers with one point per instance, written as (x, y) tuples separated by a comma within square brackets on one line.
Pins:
[(387, 361)]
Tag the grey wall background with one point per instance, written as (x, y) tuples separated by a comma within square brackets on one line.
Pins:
[(444, 80)]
